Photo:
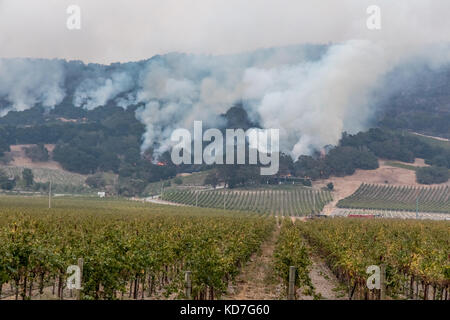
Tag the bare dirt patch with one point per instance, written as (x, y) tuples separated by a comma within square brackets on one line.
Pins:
[(21, 160), (256, 281), (157, 200), (325, 282)]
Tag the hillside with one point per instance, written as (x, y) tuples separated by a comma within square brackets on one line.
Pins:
[(387, 174), (18, 158), (100, 126)]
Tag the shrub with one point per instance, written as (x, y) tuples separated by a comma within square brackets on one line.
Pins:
[(432, 175)]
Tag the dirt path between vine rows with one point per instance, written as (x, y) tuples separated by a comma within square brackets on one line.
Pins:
[(258, 281), (325, 283), (168, 203)]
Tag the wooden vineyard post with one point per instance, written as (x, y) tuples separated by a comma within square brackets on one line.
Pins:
[(314, 206), (383, 282), (50, 195), (291, 287), (188, 285), (80, 265)]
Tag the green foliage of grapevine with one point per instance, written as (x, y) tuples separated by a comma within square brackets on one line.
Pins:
[(124, 243), (292, 251), (287, 202), (410, 249)]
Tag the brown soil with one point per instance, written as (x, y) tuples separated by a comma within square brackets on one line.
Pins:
[(21, 160), (159, 201), (184, 174), (325, 283), (256, 280)]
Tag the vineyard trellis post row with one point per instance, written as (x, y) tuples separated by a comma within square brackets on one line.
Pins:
[(188, 284), (417, 208), (80, 265), (50, 195), (383, 282), (291, 288)]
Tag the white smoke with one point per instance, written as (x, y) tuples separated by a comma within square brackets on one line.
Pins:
[(180, 91), (313, 103), (310, 101), (310, 93), (93, 93), (25, 83)]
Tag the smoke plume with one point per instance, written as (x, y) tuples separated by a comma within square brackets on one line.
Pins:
[(25, 83), (311, 93)]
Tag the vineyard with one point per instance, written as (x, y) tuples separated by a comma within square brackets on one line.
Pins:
[(434, 199), (133, 250), (44, 175), (388, 214), (288, 202), (416, 255), (130, 250), (291, 250)]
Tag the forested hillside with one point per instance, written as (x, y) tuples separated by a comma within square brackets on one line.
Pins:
[(100, 131)]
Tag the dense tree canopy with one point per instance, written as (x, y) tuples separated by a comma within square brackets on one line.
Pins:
[(432, 175)]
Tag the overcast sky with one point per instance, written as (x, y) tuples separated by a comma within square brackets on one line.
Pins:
[(126, 30)]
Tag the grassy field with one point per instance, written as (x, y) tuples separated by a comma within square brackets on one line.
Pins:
[(196, 179), (44, 175), (401, 165), (62, 181), (432, 141)]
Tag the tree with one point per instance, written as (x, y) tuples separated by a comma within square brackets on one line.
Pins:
[(37, 153), (211, 180), (28, 177), (330, 186), (5, 182), (239, 175), (131, 187), (307, 182), (96, 181), (178, 181), (432, 175)]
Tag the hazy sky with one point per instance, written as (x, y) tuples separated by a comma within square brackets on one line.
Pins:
[(124, 30)]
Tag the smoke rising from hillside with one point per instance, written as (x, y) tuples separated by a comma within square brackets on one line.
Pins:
[(26, 83), (96, 92), (312, 101), (311, 93)]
